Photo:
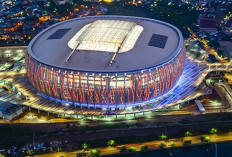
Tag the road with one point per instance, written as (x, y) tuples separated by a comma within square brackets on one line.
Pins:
[(207, 47), (114, 133), (151, 145)]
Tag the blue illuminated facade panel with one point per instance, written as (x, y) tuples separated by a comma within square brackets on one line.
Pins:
[(96, 89)]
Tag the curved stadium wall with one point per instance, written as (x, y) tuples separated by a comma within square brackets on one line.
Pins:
[(104, 89)]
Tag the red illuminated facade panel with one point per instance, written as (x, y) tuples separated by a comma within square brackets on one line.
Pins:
[(101, 89)]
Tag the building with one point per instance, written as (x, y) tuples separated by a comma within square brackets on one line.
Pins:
[(223, 6), (209, 21), (107, 62), (226, 48), (9, 111)]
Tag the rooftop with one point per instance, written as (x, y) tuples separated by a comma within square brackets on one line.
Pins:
[(8, 108), (92, 43), (107, 36)]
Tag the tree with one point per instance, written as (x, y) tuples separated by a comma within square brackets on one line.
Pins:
[(77, 1), (111, 143), (82, 154), (95, 153), (123, 149), (172, 144), (64, 9), (2, 155), (205, 139), (41, 4), (40, 151), (213, 131), (132, 149), (144, 148), (47, 144), (85, 146), (188, 133), (163, 137), (187, 142), (30, 152), (162, 145), (52, 6), (58, 149)]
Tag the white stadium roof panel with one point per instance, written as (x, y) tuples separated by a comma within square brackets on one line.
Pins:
[(107, 36)]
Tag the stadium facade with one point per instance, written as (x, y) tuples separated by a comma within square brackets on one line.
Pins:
[(106, 61)]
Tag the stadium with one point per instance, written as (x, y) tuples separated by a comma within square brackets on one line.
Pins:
[(107, 62)]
